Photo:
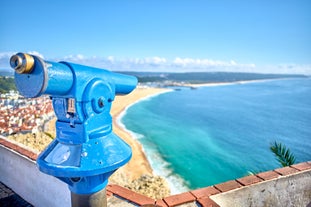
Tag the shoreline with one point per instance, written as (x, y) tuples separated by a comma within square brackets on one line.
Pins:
[(139, 164), (197, 85)]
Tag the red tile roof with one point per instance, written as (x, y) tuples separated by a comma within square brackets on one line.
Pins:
[(23, 117)]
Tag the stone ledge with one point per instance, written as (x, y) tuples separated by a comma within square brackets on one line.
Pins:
[(268, 175), (205, 192), (227, 186), (19, 149), (179, 199), (200, 196), (129, 195)]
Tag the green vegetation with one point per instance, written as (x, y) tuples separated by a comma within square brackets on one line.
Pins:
[(283, 154), (6, 84)]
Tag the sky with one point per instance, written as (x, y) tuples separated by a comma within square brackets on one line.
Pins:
[(266, 36)]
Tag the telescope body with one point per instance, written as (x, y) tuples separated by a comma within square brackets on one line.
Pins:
[(85, 151)]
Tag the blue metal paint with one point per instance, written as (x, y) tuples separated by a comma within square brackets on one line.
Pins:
[(86, 151), (58, 75), (42, 80)]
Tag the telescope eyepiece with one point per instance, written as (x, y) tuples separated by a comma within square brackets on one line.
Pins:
[(22, 63)]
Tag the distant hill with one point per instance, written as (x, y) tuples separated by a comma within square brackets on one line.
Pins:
[(7, 84), (6, 72), (205, 77), (7, 80)]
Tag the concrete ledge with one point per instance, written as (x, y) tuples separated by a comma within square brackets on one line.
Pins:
[(290, 190), (288, 186), (22, 175)]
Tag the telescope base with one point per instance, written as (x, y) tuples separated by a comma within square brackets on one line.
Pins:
[(97, 199)]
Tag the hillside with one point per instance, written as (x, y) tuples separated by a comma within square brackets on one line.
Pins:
[(6, 84), (205, 77)]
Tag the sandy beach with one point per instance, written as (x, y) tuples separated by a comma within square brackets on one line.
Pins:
[(138, 165)]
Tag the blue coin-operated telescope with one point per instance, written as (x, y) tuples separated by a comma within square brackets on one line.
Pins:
[(86, 151)]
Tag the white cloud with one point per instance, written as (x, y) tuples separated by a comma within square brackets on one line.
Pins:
[(36, 54), (74, 58), (110, 58), (210, 65), (5, 58), (295, 68), (111, 62), (6, 54), (177, 64), (156, 60)]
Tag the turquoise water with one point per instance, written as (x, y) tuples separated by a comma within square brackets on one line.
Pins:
[(201, 137)]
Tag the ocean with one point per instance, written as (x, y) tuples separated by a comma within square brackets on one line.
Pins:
[(196, 138)]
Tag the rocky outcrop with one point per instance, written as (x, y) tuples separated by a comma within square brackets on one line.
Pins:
[(152, 186)]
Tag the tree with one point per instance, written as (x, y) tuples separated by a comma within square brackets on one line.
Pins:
[(283, 154)]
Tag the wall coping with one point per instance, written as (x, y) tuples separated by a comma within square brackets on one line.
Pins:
[(201, 195)]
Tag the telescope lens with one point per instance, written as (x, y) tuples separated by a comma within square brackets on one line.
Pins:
[(22, 63), (16, 62)]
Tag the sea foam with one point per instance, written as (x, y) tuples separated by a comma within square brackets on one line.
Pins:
[(214, 134), (159, 166)]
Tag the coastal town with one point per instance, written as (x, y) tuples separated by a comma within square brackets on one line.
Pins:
[(22, 115)]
